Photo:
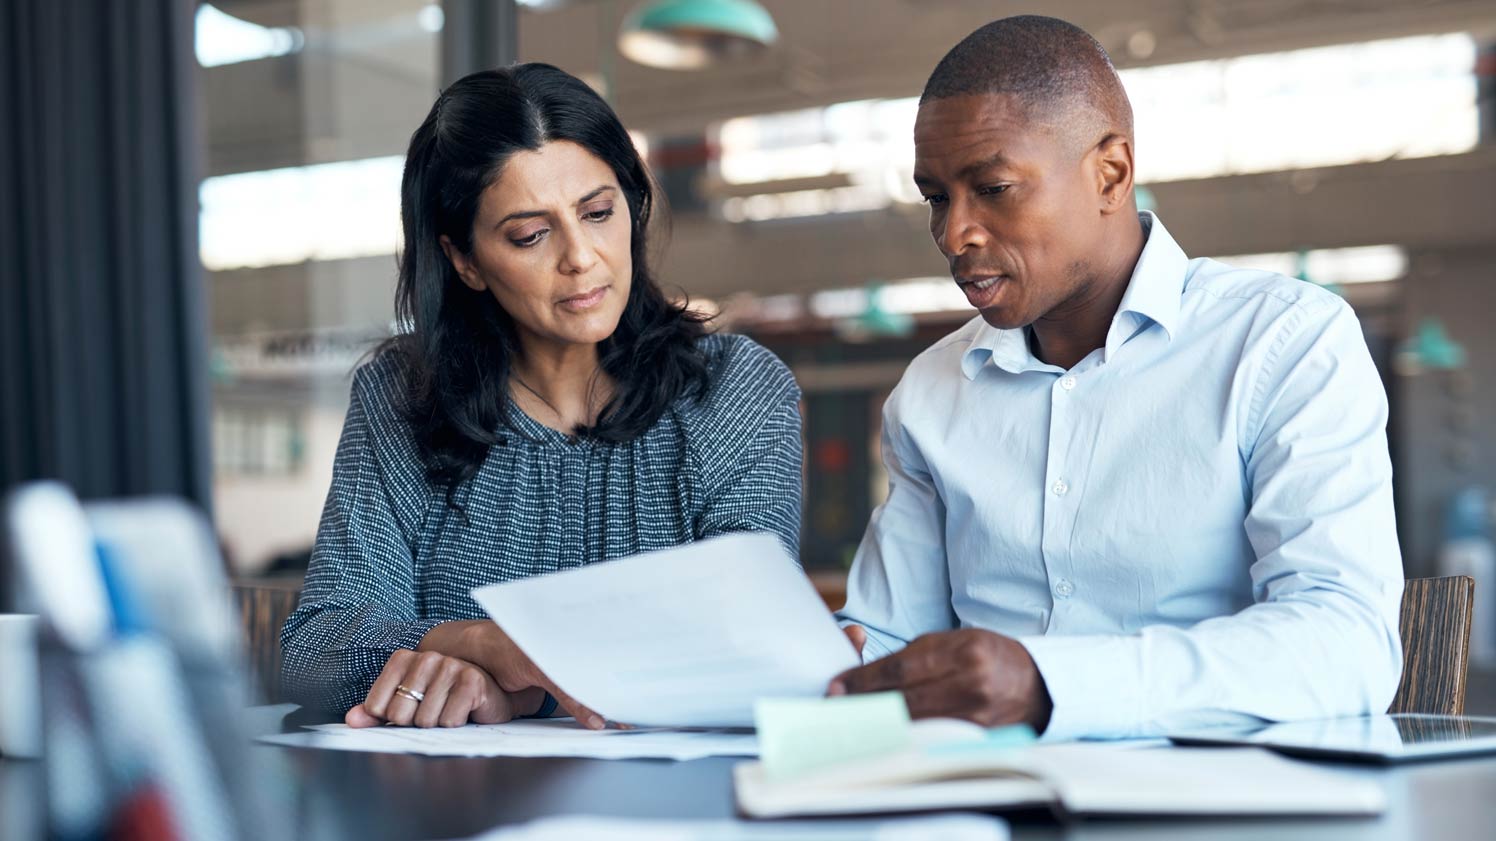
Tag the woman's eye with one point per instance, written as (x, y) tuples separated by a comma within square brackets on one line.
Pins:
[(599, 215), (525, 242)]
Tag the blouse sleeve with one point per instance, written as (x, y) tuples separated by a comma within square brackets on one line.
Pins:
[(358, 604), (749, 447)]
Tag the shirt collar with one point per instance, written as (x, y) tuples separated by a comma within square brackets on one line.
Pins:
[(1152, 294), (1158, 279)]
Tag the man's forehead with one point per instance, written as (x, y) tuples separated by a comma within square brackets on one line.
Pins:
[(980, 111), (993, 128)]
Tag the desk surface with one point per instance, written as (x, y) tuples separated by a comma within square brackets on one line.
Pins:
[(391, 796)]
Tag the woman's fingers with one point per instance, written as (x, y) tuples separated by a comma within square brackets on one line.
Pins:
[(526, 674), (451, 692), (587, 717), (410, 691), (465, 699), (378, 700), (438, 692), (360, 717)]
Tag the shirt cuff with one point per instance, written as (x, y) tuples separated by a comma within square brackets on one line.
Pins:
[(414, 632), (1095, 683), (878, 644)]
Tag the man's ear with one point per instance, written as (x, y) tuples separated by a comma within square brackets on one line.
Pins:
[(463, 264), (1114, 172)]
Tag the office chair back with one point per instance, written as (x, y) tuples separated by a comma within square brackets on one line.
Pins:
[(263, 609), (1435, 631)]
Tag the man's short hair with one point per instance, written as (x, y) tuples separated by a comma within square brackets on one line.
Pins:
[(1054, 68)]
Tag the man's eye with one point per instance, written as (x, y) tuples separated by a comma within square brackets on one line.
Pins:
[(994, 189), (934, 199)]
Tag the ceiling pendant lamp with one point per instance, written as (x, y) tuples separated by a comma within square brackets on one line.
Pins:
[(692, 34)]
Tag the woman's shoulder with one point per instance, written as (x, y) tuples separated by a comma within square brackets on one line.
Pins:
[(379, 382), (379, 398), (741, 370), (746, 385)]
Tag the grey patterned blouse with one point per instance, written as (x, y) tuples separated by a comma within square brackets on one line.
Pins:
[(391, 560)]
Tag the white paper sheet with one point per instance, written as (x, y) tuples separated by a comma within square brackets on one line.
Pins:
[(689, 636), (586, 828), (553, 737)]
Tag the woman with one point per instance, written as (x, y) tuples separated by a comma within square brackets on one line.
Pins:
[(547, 408)]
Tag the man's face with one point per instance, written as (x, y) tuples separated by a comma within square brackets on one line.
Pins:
[(1014, 205)]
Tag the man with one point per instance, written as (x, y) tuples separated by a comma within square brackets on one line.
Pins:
[(1140, 491)]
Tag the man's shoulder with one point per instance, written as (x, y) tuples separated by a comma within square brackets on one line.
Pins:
[(1213, 283), (944, 356), (936, 369)]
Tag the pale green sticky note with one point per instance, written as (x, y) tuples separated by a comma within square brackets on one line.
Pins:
[(796, 735)]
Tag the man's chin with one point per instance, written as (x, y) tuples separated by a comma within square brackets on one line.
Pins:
[(1003, 318)]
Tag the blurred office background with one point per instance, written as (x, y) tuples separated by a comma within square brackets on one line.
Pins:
[(1351, 143)]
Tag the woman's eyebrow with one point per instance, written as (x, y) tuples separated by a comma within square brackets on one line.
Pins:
[(531, 214)]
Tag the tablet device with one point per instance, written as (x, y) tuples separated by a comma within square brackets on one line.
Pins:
[(1372, 738)]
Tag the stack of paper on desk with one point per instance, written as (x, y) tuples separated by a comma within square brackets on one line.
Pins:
[(554, 737), (689, 636), (1079, 779)]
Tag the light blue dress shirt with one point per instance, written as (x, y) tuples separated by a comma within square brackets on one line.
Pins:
[(1193, 525)]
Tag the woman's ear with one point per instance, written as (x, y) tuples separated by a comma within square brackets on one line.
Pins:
[(463, 264)]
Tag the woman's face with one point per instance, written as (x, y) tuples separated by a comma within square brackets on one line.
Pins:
[(551, 243)]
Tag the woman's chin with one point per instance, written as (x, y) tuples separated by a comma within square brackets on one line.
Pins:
[(588, 329)]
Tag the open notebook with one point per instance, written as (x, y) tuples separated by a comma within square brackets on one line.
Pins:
[(949, 767)]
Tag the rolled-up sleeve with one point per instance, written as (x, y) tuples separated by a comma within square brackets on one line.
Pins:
[(358, 605), (1321, 638), (899, 586)]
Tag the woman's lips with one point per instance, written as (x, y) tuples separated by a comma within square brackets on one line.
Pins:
[(585, 301)]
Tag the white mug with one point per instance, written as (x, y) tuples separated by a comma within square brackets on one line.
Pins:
[(20, 687)]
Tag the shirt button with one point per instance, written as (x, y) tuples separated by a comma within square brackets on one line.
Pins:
[(1067, 383), (1063, 588), (1059, 487)]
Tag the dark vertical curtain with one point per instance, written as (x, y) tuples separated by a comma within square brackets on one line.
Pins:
[(103, 351)]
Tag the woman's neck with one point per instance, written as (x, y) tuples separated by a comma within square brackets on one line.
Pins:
[(561, 385)]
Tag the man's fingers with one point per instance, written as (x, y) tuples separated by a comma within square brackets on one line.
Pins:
[(941, 698), (923, 660), (857, 635), (360, 717)]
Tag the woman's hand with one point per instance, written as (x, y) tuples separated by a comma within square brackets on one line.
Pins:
[(451, 692), (485, 644)]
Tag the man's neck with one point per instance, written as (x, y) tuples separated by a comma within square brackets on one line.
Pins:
[(1068, 333)]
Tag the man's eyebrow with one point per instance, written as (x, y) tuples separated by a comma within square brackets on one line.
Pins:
[(977, 167), (971, 169), (531, 214)]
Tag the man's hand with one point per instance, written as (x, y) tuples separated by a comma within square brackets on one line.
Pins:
[(857, 635), (972, 674)]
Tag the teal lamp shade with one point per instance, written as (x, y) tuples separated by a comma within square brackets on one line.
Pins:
[(692, 34)]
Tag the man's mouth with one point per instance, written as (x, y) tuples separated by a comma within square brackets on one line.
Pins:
[(982, 290)]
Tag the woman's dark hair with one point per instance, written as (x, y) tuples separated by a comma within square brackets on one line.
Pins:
[(455, 345)]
